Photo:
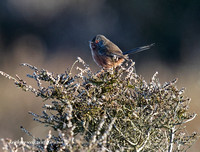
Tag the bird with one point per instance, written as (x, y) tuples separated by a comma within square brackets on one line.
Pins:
[(108, 55)]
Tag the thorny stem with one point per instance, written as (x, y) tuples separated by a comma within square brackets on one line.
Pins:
[(172, 131), (190, 118), (145, 142), (131, 143), (171, 139)]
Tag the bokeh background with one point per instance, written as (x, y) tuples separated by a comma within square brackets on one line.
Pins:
[(51, 34)]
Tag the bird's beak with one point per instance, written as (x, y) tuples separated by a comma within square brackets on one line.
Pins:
[(90, 42)]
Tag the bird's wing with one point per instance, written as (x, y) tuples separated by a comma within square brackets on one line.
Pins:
[(111, 50), (112, 54)]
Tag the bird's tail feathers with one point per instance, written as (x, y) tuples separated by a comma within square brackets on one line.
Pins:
[(138, 49)]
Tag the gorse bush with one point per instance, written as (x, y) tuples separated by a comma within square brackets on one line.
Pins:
[(111, 110)]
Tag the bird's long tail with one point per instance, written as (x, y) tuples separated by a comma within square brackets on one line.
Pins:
[(139, 49)]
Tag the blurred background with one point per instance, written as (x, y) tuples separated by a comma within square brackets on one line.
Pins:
[(51, 34)]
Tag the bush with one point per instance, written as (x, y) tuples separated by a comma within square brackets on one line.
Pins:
[(111, 110)]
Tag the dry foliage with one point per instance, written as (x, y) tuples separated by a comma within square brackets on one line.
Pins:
[(112, 110)]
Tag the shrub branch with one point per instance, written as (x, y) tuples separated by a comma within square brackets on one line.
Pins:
[(111, 110)]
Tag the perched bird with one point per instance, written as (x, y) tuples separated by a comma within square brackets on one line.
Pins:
[(107, 55)]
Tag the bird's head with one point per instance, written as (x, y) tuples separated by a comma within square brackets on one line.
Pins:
[(98, 41)]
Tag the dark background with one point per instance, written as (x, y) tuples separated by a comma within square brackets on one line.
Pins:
[(51, 34)]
